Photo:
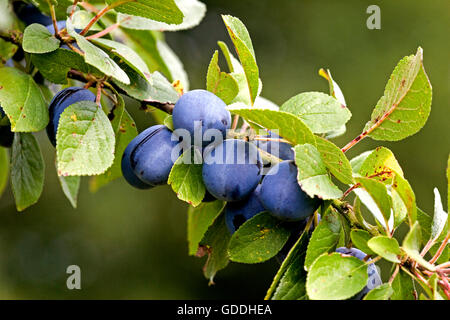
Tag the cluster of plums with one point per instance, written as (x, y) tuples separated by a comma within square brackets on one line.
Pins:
[(147, 162)]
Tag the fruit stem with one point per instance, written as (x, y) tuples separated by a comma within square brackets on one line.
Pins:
[(235, 122), (54, 21)]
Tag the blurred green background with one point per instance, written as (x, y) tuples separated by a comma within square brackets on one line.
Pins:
[(130, 244)]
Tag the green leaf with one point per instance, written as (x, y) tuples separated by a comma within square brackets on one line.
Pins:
[(403, 287), (25, 108), (425, 222), (382, 292), (375, 197), (199, 220), (70, 186), (7, 50), (84, 140), (81, 19), (55, 65), (27, 170), (440, 217), (173, 63), (215, 244), (185, 177), (292, 285), (335, 90), (244, 48), (321, 112), (334, 277), (312, 174), (234, 65), (220, 83), (193, 12), (359, 239), (290, 127), (4, 169), (159, 10), (258, 239), (406, 103), (406, 193), (325, 237), (376, 162), (335, 160), (128, 55), (411, 245), (153, 88), (125, 131), (385, 247), (98, 58), (37, 39)]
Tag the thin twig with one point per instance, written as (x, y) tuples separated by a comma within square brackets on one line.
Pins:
[(104, 32), (441, 249)]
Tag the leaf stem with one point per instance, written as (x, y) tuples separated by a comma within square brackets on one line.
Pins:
[(397, 269), (103, 32), (441, 249)]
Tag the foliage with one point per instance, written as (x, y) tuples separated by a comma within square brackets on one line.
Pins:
[(98, 49)]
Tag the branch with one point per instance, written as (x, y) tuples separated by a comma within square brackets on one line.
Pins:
[(441, 249)]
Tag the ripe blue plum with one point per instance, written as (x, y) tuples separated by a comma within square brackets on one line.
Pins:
[(374, 277), (151, 158), (231, 170), (127, 170), (282, 196), (6, 136), (60, 102), (236, 213), (199, 111), (284, 150), (29, 14)]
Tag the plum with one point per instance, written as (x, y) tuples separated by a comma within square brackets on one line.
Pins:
[(29, 14), (60, 102), (282, 196), (231, 170), (198, 111), (151, 158), (236, 213), (374, 277)]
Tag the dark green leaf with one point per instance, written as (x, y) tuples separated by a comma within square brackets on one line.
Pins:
[(220, 83), (4, 169), (403, 287), (27, 170), (199, 220), (70, 187), (359, 239), (258, 239)]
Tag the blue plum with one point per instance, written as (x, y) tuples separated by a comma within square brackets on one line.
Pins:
[(151, 158), (282, 196), (374, 277), (127, 170), (201, 110), (231, 170), (236, 213), (283, 149), (60, 102), (29, 14)]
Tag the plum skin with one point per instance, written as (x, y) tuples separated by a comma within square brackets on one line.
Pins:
[(230, 180), (29, 14), (60, 102), (374, 278), (282, 196), (151, 158), (236, 213), (127, 170), (201, 106)]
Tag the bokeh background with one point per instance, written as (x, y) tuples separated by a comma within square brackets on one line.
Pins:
[(131, 244)]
